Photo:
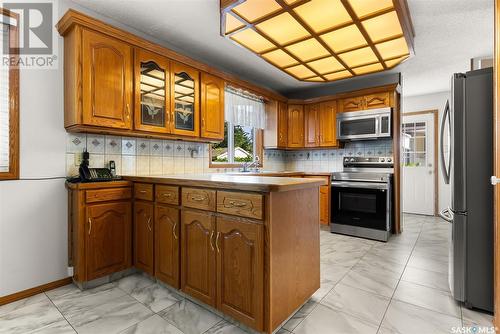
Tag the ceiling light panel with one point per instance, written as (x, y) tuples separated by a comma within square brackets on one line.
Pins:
[(321, 40)]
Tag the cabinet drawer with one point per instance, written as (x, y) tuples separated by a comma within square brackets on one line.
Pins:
[(203, 199), (103, 195), (143, 191), (240, 204), (167, 195)]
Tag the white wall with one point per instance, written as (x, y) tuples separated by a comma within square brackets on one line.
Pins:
[(430, 102)]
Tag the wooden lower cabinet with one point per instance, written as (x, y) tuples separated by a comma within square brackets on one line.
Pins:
[(144, 236), (108, 238), (167, 244), (240, 271), (198, 262), (324, 205)]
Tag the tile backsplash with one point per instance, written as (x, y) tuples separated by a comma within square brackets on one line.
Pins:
[(139, 156), (330, 160)]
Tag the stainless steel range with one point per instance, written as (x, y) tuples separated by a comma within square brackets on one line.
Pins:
[(362, 198)]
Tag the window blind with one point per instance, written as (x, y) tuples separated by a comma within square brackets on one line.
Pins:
[(4, 106)]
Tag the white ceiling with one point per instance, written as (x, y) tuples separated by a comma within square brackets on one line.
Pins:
[(448, 34)]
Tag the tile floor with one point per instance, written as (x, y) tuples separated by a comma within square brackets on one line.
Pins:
[(366, 287)]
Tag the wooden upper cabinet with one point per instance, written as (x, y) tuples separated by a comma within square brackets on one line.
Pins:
[(327, 124), (312, 125), (167, 245), (212, 107), (108, 238), (152, 92), (107, 81), (295, 125), (240, 271), (198, 258), (363, 102), (282, 124), (144, 236), (377, 100), (351, 104), (185, 100)]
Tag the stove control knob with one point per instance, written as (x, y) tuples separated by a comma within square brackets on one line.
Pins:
[(382, 159), (389, 159), (352, 160)]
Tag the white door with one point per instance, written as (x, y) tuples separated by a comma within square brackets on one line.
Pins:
[(418, 156)]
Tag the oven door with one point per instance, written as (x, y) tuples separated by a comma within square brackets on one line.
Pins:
[(362, 204)]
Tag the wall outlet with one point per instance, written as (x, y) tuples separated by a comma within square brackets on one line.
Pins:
[(70, 271), (78, 158)]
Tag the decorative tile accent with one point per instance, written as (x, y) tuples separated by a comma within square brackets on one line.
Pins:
[(95, 144), (156, 147), (168, 148), (76, 142), (113, 145), (143, 147), (128, 146), (179, 149)]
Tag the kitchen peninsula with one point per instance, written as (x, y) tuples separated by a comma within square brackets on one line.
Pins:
[(247, 246)]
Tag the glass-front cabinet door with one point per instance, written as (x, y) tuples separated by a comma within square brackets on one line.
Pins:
[(152, 92), (185, 100)]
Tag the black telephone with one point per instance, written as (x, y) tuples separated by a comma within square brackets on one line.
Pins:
[(93, 174)]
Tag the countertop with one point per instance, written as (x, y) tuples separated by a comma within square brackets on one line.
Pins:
[(281, 173), (246, 182)]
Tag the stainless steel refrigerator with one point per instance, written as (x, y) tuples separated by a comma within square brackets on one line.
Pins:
[(467, 166)]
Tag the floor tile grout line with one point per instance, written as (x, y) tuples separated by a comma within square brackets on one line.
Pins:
[(399, 280), (60, 312)]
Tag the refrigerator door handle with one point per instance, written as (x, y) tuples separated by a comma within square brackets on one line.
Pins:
[(444, 170), (447, 215)]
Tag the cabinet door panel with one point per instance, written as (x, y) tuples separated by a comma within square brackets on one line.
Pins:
[(185, 85), (312, 125), (152, 92), (378, 100), (143, 236), (212, 107), (295, 126), (282, 124), (167, 245), (352, 104), (107, 242), (328, 133), (107, 81), (240, 271), (198, 258)]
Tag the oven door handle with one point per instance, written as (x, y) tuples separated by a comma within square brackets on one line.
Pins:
[(363, 185)]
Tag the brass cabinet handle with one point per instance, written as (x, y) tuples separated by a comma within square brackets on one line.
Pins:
[(149, 224), (90, 225), (142, 191), (211, 240), (198, 199), (238, 204), (167, 194), (203, 122), (127, 111), (217, 242), (173, 230)]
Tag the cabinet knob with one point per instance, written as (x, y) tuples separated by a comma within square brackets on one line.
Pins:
[(127, 111)]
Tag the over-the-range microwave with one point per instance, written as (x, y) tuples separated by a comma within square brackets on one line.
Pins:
[(363, 125)]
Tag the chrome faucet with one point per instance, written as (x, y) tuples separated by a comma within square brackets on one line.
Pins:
[(248, 165)]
